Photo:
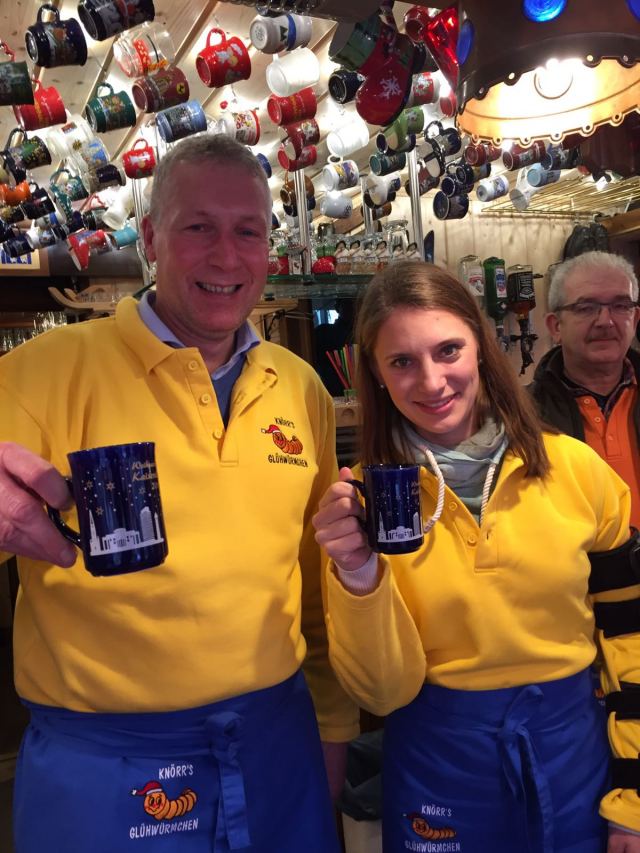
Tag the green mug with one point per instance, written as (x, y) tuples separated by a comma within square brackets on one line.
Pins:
[(111, 111)]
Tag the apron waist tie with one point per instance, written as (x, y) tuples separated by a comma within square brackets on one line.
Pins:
[(232, 829), (522, 769)]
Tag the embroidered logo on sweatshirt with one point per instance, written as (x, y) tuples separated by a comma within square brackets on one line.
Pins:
[(290, 447)]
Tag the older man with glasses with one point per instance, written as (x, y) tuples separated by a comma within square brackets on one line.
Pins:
[(587, 385)]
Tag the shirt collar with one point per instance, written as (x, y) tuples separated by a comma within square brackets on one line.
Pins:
[(245, 338)]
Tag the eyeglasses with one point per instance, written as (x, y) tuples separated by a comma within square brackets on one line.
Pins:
[(590, 308)]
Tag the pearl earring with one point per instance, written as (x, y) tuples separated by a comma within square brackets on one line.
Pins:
[(382, 386)]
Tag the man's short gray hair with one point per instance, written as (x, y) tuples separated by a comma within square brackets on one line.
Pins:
[(206, 148), (589, 260)]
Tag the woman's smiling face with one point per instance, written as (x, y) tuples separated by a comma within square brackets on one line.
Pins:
[(428, 361)]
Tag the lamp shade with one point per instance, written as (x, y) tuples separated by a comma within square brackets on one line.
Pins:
[(543, 69)]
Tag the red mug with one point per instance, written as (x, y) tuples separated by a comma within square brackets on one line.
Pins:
[(12, 196), (140, 160), (299, 135), (416, 21), (307, 157), (168, 88), (47, 109), (223, 63), (300, 105)]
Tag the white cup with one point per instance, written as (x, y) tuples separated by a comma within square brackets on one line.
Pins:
[(300, 31), (490, 188), (337, 205), (120, 209), (269, 35), (286, 32), (381, 187), (340, 176), (349, 138), (292, 72), (61, 139)]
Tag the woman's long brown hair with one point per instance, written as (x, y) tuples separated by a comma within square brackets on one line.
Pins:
[(411, 284)]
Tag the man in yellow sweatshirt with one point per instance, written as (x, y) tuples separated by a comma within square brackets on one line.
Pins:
[(170, 703)]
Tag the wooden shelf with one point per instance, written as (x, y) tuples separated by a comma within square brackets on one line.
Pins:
[(623, 225)]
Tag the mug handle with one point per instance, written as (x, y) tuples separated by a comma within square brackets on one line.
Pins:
[(437, 124), (15, 130), (53, 180), (145, 144), (68, 532), (49, 8), (103, 86), (359, 487), (217, 31), (11, 53)]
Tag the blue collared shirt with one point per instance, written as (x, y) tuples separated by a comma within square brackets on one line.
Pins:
[(224, 377)]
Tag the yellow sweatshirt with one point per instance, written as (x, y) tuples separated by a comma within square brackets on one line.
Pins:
[(501, 605), (237, 605)]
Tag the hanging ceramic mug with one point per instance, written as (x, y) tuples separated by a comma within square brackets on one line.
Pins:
[(88, 156), (288, 191), (447, 139), (299, 135), (337, 205), (55, 42), (538, 176), (105, 18), (225, 62), (40, 204), (340, 175), (140, 160), (478, 155), (363, 45), (300, 105), (182, 120), (383, 188), (109, 111), (307, 157), (425, 89), (47, 109), (247, 127), (294, 71), (61, 140), (109, 175), (450, 207), (518, 156), (13, 196), (144, 50), (15, 80), (343, 85), (167, 88), (264, 162), (349, 138), (492, 188), (383, 164), (30, 153)]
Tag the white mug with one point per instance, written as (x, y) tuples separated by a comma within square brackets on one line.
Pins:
[(61, 140), (286, 32), (383, 188), (120, 209), (294, 71), (349, 138), (341, 175), (490, 188), (337, 205)]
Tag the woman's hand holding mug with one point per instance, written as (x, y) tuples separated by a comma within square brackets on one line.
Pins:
[(339, 524)]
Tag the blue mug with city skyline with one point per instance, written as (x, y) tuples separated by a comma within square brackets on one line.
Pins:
[(117, 496), (392, 504)]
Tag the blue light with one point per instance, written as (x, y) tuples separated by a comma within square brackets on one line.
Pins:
[(465, 41), (634, 5), (543, 10)]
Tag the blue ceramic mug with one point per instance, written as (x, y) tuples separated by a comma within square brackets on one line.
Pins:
[(117, 496), (393, 512)]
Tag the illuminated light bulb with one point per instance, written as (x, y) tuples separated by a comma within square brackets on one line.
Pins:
[(554, 79)]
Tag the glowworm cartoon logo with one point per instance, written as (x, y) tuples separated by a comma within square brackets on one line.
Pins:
[(158, 805)]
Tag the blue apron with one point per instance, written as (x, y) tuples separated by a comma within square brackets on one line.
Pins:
[(244, 774), (497, 771)]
